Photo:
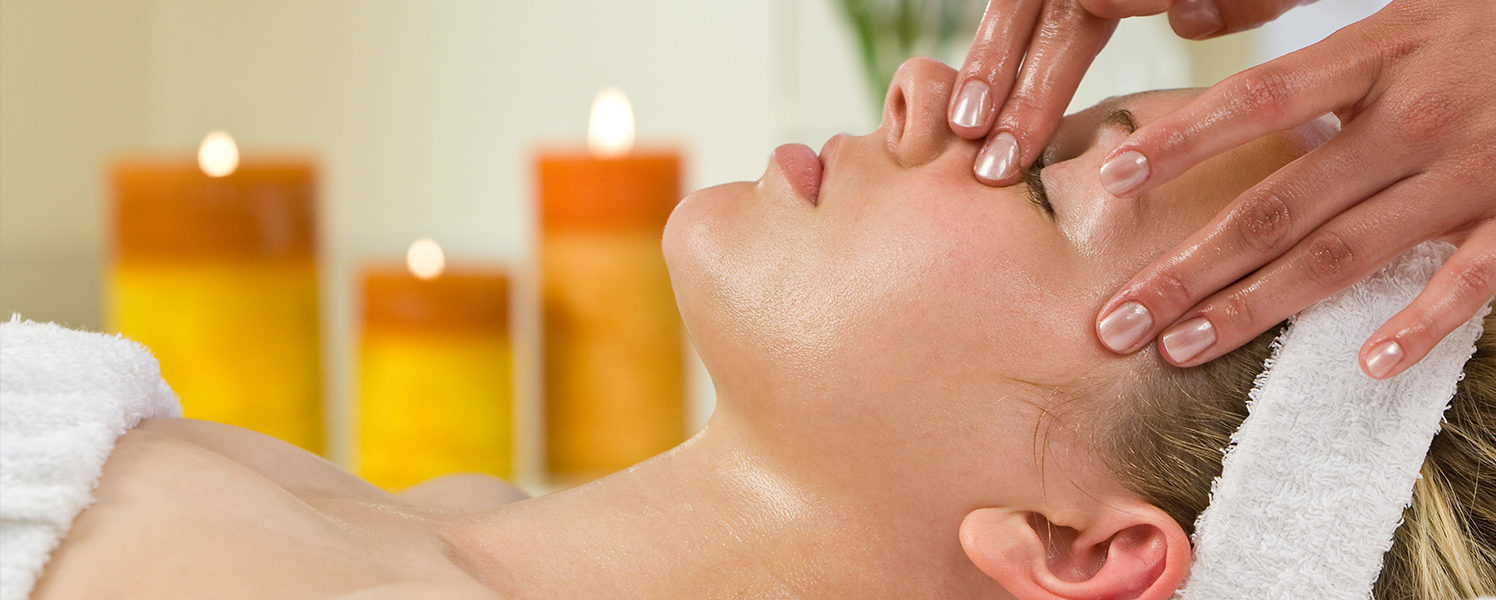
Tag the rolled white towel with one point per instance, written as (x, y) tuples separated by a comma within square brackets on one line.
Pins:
[(65, 396), (1317, 477)]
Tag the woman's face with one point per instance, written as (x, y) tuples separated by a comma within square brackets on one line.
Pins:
[(882, 292)]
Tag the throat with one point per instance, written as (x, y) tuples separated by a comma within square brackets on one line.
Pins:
[(711, 518)]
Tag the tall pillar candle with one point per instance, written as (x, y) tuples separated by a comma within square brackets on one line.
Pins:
[(217, 274), (436, 374), (613, 359)]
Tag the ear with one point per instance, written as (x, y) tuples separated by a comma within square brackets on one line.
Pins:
[(1127, 550)]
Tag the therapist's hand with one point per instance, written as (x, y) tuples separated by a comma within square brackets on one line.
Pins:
[(1415, 88), (1055, 41)]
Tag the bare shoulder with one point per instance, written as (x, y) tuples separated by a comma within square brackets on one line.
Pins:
[(421, 591), (289, 466), (463, 492)]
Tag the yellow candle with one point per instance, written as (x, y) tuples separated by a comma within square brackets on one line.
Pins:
[(614, 366), (436, 375), (217, 275)]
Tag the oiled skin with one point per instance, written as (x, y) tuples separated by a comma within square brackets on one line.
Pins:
[(185, 507)]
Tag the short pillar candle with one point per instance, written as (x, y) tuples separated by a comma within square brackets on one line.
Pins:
[(217, 275), (436, 375)]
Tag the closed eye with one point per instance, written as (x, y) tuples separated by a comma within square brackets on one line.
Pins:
[(1038, 194), (1035, 184)]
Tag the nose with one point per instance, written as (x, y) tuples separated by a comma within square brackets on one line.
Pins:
[(914, 119)]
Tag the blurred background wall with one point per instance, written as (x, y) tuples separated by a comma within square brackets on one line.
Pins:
[(424, 115)]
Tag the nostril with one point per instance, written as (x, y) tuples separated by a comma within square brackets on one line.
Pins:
[(914, 111), (895, 113)]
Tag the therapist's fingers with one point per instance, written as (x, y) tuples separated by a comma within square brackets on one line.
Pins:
[(986, 77), (1121, 9), (1203, 19), (1065, 42), (1197, 19), (1416, 161), (1271, 97), (1462, 287), (1261, 224), (1342, 252)]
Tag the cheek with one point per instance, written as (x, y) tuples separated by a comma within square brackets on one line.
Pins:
[(952, 285), (918, 287)]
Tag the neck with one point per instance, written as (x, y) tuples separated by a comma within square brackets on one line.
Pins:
[(717, 516)]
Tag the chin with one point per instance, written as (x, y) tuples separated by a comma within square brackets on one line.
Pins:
[(693, 245), (743, 274), (698, 256)]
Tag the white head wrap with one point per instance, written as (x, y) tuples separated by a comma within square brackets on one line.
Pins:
[(1316, 479)]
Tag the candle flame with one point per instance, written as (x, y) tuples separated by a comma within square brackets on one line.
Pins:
[(425, 259), (610, 131), (218, 156)]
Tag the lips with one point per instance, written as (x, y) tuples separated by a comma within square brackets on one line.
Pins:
[(803, 169)]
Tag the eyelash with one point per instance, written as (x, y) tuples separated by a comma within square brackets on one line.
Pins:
[(1035, 184)]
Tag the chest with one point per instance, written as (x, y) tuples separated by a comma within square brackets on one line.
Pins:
[(173, 518)]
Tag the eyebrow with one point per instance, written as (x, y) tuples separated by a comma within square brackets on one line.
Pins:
[(1121, 119)]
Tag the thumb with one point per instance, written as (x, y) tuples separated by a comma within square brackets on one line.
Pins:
[(1121, 9), (1202, 19)]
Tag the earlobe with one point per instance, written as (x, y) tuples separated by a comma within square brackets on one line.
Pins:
[(1135, 551)]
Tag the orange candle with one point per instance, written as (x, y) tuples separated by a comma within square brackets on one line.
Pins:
[(214, 268), (436, 375), (614, 358)]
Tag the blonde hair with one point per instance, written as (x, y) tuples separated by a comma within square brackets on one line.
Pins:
[(1167, 447)]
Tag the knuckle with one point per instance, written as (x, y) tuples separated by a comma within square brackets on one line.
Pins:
[(1414, 16), (1169, 288), (988, 58), (1477, 278), (1024, 101), (1061, 16), (1263, 221), (1236, 308), (1265, 92), (1474, 170), (1171, 136), (1427, 118), (1329, 258), (1391, 43)]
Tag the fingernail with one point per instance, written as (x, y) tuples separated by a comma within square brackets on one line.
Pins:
[(998, 158), (1383, 358), (1188, 339), (1124, 172), (972, 104), (1194, 19), (1124, 326)]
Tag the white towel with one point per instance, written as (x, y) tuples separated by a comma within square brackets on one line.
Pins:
[(1315, 483), (64, 397)]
